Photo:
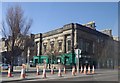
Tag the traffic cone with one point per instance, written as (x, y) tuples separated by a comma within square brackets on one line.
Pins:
[(25, 69), (73, 71), (88, 70), (22, 72), (84, 69), (64, 70), (9, 72), (93, 70), (52, 70), (59, 72), (81, 70), (37, 71), (44, 73)]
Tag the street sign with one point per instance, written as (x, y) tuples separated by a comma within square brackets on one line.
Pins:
[(78, 53), (28, 52), (58, 60)]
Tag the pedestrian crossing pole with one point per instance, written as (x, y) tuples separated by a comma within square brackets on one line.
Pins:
[(78, 56), (28, 54)]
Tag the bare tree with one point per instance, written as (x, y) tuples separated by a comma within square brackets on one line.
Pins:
[(52, 54), (15, 29)]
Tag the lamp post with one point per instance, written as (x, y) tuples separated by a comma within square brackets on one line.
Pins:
[(78, 56), (28, 54)]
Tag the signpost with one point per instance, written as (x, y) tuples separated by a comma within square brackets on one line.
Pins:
[(78, 55), (28, 54)]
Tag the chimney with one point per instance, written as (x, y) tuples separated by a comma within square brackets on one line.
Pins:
[(107, 31), (90, 25)]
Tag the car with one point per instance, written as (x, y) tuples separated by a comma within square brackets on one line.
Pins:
[(32, 64), (4, 66)]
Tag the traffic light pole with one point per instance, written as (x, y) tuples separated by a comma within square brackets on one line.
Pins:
[(78, 64), (78, 56)]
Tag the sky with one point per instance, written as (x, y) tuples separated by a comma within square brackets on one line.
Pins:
[(48, 16)]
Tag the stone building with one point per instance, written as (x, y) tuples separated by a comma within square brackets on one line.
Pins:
[(95, 45), (20, 54), (116, 57), (3, 50)]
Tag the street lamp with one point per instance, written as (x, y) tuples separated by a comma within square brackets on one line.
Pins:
[(28, 54), (78, 55)]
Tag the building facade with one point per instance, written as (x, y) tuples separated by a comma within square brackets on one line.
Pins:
[(3, 50), (21, 55), (95, 45)]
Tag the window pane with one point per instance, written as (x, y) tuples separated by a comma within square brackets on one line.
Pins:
[(52, 47), (45, 48), (60, 46), (69, 45)]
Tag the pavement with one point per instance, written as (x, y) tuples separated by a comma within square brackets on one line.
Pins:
[(31, 76)]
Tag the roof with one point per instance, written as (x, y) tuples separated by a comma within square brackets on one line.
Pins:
[(78, 26), (89, 30)]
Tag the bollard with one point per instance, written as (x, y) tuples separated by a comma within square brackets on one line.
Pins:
[(73, 71), (81, 70), (52, 70), (44, 73), (22, 72), (38, 73), (59, 72), (88, 70), (9, 72), (93, 70), (64, 70), (84, 69)]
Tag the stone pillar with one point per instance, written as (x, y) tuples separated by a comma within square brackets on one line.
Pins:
[(40, 45), (72, 44), (64, 44), (76, 39), (38, 48), (48, 45), (35, 51), (72, 38)]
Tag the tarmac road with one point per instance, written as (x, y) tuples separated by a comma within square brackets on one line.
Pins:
[(110, 76)]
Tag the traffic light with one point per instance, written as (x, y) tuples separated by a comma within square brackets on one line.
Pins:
[(78, 53)]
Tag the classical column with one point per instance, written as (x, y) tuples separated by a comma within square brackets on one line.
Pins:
[(38, 48), (40, 45), (35, 48), (72, 38), (76, 39), (72, 44), (64, 44)]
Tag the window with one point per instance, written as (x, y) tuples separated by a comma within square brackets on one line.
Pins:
[(93, 50), (37, 48), (87, 47), (69, 45), (84, 45), (52, 46), (81, 44), (98, 40), (45, 48), (60, 46)]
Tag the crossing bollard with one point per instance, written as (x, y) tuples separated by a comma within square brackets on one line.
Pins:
[(9, 72)]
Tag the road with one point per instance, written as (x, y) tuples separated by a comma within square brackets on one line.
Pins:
[(112, 77), (93, 78)]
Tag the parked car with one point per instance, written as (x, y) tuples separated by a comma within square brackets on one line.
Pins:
[(32, 64), (4, 66)]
